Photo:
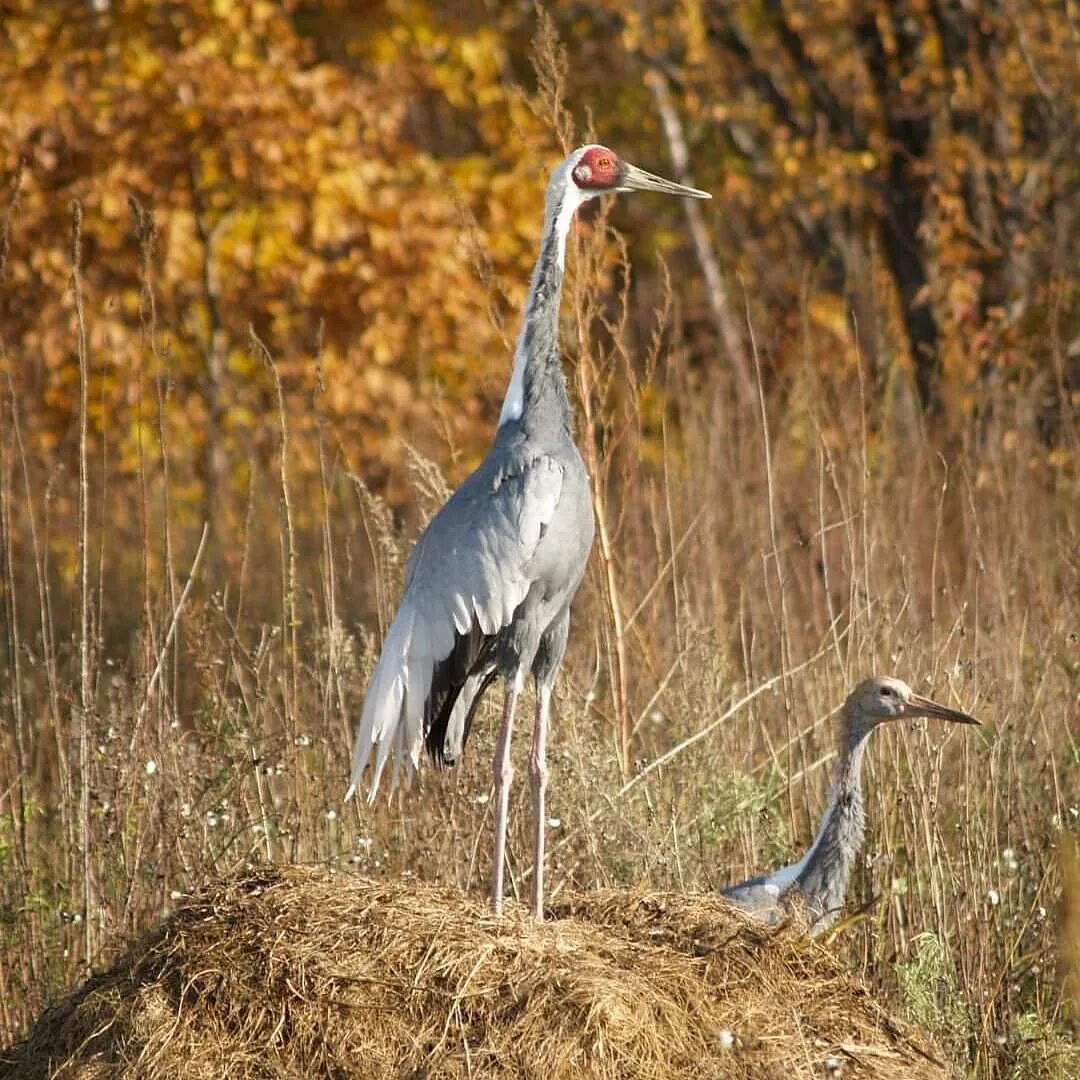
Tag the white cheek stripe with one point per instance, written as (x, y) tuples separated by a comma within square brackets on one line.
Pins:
[(573, 197)]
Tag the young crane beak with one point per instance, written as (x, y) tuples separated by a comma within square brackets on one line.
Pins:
[(635, 179), (917, 705)]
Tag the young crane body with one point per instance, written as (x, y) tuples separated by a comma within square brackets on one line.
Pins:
[(489, 584), (820, 878)]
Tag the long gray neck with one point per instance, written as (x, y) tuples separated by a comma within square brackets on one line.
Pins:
[(823, 879), (537, 394)]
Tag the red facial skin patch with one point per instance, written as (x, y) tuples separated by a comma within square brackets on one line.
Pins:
[(598, 168)]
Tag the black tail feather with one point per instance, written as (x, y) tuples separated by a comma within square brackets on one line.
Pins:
[(472, 711), (470, 654)]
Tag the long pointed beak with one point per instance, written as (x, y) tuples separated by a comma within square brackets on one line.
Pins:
[(635, 179), (921, 706)]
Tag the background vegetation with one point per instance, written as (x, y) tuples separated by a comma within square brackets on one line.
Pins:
[(260, 268)]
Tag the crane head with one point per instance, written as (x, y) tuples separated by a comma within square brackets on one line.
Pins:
[(596, 170), (877, 700)]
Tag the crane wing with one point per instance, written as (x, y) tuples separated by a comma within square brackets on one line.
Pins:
[(761, 895), (469, 571), (758, 896)]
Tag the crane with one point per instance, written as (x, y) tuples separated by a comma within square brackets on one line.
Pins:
[(820, 878), (489, 583)]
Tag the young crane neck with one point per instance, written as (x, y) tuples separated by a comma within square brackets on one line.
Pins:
[(852, 751), (824, 876), (537, 389)]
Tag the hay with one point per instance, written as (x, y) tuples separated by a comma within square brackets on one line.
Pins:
[(295, 972)]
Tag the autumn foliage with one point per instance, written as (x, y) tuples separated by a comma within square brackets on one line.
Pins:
[(359, 184)]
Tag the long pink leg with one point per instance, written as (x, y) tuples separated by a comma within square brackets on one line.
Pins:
[(503, 775), (538, 773)]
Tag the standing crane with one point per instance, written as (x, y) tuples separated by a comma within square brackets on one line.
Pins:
[(489, 584), (820, 878)]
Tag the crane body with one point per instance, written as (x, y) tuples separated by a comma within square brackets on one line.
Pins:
[(489, 584)]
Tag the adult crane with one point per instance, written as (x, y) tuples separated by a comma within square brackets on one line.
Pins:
[(489, 583), (820, 878)]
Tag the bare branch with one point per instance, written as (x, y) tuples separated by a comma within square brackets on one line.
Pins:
[(726, 324)]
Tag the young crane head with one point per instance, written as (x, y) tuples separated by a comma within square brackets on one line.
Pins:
[(875, 701)]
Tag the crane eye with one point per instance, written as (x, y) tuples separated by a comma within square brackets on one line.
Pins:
[(887, 691), (603, 163)]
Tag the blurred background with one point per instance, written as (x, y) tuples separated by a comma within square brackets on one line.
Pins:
[(261, 266)]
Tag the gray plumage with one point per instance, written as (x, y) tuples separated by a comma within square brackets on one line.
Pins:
[(489, 584), (819, 880)]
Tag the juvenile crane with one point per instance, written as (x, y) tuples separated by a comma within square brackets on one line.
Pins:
[(820, 877), (489, 583)]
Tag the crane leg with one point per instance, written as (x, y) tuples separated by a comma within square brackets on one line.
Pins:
[(503, 773), (538, 774)]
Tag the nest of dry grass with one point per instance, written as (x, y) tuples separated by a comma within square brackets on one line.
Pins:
[(293, 971)]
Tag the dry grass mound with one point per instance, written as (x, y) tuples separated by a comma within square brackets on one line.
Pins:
[(295, 972)]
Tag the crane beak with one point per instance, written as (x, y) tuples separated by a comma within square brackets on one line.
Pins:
[(921, 706), (634, 179)]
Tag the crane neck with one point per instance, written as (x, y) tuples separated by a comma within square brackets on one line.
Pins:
[(826, 868), (849, 771), (537, 390)]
